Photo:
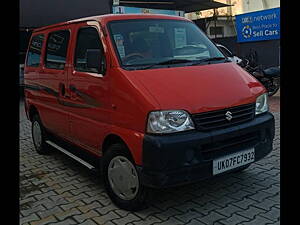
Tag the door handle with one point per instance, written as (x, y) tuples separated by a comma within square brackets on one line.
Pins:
[(62, 89), (73, 91)]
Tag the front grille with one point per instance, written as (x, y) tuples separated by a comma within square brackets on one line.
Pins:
[(228, 146), (217, 119)]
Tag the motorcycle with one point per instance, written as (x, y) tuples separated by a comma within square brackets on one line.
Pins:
[(269, 77)]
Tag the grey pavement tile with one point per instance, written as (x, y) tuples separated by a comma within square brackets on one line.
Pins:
[(187, 216), (147, 221), (266, 204), (251, 212), (66, 222), (233, 219), (239, 195), (164, 215), (229, 210), (258, 220), (127, 219), (44, 221), (245, 203), (171, 221), (50, 212), (68, 213), (84, 216), (87, 207), (29, 218), (106, 209), (225, 200), (273, 214), (145, 213), (275, 198), (103, 219), (195, 222), (208, 207), (211, 218), (273, 189), (90, 222), (260, 196)]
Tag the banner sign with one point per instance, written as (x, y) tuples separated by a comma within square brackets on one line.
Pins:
[(127, 10), (258, 26)]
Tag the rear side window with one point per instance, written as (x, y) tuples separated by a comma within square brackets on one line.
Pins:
[(57, 47), (87, 39), (35, 49)]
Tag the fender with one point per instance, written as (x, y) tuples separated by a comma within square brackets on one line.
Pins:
[(133, 139)]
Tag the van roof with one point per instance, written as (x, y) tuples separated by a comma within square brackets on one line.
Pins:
[(110, 17)]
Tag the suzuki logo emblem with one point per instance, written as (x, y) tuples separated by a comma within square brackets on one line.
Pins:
[(228, 115)]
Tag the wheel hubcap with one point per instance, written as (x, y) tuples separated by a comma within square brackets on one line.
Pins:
[(37, 134), (123, 178)]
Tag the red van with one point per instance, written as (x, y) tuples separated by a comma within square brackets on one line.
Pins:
[(147, 99)]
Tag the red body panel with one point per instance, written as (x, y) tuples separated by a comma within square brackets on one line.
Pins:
[(119, 102), (199, 89)]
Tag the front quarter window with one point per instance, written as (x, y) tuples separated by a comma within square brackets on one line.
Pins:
[(145, 42)]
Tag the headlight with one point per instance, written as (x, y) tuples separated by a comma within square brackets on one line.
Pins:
[(261, 104), (169, 121)]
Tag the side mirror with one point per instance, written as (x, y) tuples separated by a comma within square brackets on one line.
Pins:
[(94, 59)]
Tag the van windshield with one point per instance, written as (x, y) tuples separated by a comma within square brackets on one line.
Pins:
[(156, 42)]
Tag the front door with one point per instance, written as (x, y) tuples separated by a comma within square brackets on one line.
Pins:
[(89, 89)]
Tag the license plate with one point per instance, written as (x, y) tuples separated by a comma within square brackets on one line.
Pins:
[(232, 161)]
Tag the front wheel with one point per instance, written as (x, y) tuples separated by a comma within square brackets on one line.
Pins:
[(122, 180)]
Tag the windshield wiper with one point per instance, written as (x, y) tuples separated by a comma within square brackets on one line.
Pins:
[(169, 62), (178, 61), (210, 60)]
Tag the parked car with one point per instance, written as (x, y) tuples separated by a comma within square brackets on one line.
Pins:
[(229, 54), (148, 100)]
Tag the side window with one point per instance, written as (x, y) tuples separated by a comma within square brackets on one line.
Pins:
[(57, 47), (34, 52), (87, 39)]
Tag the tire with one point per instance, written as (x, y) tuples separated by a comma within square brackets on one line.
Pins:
[(117, 181), (39, 136)]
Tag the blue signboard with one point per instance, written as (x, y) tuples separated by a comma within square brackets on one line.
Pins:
[(258, 26), (127, 10)]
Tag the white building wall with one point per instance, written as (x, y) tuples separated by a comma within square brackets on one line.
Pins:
[(229, 28), (245, 6)]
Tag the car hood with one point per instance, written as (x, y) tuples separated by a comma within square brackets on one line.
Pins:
[(199, 88)]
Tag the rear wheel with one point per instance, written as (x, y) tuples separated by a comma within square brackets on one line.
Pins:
[(39, 135), (122, 180)]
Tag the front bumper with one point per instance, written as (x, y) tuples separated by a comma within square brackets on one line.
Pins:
[(187, 157)]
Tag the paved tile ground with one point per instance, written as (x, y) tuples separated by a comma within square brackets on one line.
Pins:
[(54, 189)]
